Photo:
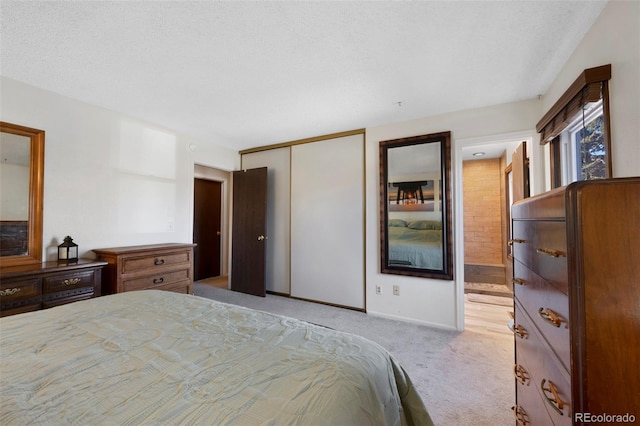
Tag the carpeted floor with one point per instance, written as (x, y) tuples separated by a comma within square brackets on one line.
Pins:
[(464, 378)]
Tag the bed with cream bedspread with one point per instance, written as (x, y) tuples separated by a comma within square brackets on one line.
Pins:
[(160, 358)]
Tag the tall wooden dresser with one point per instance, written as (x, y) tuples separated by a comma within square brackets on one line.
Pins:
[(577, 304), (155, 266)]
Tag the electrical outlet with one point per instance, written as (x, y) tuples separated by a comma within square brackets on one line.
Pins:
[(378, 290), (396, 290)]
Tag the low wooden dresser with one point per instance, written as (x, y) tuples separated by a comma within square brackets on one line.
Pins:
[(38, 286), (577, 304), (157, 266)]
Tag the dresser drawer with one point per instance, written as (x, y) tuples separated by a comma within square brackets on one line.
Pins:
[(156, 280), (17, 290), (155, 261), (546, 374), (530, 407), (541, 245), (178, 287), (71, 296), (548, 308), (65, 282)]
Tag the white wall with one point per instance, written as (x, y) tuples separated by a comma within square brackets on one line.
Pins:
[(613, 39), (429, 301), (110, 180)]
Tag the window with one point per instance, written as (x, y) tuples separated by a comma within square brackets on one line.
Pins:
[(576, 130), (582, 152)]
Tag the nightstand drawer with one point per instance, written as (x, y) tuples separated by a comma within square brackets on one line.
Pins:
[(64, 282), (155, 261), (153, 281)]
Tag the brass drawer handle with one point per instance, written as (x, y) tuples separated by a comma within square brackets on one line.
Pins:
[(553, 400), (71, 281), (551, 252), (519, 331), (158, 280), (516, 240), (521, 374), (549, 316), (10, 291), (520, 415), (519, 281), (158, 262)]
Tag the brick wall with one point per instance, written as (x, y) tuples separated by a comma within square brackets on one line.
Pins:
[(482, 212)]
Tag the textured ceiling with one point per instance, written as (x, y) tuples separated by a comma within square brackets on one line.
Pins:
[(245, 74)]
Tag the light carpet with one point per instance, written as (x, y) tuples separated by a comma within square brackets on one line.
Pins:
[(463, 378)]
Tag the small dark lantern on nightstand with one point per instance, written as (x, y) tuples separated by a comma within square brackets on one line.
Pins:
[(68, 250)]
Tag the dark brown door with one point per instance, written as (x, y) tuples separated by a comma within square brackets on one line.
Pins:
[(249, 231), (207, 201), (520, 170)]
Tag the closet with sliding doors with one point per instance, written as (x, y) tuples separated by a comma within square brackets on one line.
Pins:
[(315, 218)]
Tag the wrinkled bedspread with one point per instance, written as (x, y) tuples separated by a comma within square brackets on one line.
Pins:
[(416, 247), (160, 358)]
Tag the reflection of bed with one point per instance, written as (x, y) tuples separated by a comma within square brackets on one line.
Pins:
[(416, 244), (154, 357)]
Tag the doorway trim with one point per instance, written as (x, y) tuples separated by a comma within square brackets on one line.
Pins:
[(458, 199)]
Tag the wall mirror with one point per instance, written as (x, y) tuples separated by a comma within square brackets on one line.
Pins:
[(415, 206), (21, 189)]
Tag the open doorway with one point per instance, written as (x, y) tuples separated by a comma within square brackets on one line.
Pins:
[(210, 222), (487, 194), (493, 147), (484, 224)]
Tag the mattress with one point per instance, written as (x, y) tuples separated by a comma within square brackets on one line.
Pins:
[(160, 358)]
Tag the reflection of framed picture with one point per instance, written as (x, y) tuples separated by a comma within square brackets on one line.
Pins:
[(411, 196)]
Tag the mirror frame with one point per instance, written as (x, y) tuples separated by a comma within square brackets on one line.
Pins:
[(446, 273), (36, 194)]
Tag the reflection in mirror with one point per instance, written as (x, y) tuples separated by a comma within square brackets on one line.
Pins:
[(21, 181), (14, 194), (415, 206)]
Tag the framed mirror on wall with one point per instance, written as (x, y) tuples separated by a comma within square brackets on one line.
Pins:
[(415, 206), (21, 186)]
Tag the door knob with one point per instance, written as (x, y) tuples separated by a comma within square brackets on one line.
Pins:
[(218, 233), (261, 238)]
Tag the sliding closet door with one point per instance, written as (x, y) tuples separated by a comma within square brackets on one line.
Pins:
[(277, 161), (327, 221)]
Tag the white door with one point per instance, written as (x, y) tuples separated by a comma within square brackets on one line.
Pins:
[(327, 221)]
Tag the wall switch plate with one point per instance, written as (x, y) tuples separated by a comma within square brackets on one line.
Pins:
[(378, 290), (396, 290)]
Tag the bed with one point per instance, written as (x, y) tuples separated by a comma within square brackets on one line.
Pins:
[(415, 244), (161, 358)]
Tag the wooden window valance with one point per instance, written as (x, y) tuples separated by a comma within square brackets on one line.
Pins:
[(590, 86)]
